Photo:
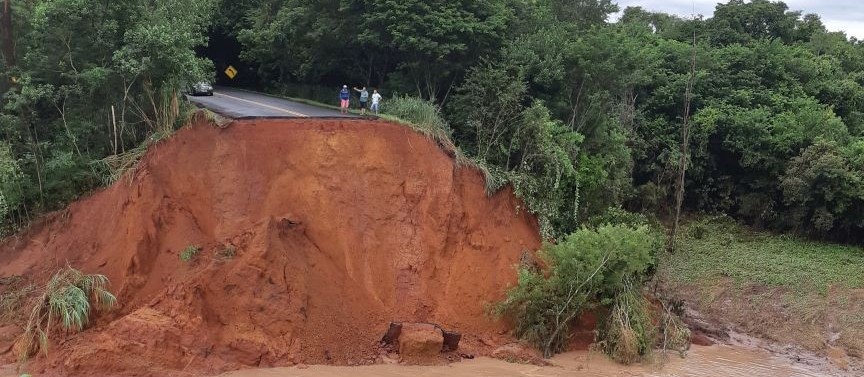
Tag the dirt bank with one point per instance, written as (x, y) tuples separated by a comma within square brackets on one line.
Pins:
[(793, 294), (339, 227)]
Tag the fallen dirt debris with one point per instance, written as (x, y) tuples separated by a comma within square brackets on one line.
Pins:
[(334, 227), (520, 354), (450, 340), (419, 342)]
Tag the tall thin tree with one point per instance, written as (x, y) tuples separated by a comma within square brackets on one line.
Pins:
[(8, 43), (685, 145)]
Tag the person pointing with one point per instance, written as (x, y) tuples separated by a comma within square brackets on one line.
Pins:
[(364, 97)]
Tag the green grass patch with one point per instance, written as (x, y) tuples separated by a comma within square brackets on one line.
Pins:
[(190, 253), (66, 300), (717, 248), (778, 287)]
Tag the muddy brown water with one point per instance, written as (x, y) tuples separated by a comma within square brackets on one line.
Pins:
[(714, 361)]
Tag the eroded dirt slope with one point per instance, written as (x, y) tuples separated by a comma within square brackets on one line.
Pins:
[(339, 228)]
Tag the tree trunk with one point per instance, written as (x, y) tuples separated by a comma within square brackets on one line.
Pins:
[(6, 39), (685, 149)]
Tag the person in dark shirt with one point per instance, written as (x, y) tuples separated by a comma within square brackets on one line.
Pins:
[(344, 99)]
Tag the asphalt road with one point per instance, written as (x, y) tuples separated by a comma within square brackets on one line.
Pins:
[(239, 104)]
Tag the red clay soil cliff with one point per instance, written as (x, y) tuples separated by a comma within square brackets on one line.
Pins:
[(339, 227)]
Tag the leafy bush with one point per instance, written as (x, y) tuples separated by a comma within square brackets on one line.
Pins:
[(697, 231), (824, 188), (486, 110), (11, 196), (190, 253), (587, 269), (628, 334), (530, 149), (618, 216), (543, 172), (67, 300)]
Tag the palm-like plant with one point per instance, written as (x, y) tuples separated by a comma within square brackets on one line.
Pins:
[(67, 299)]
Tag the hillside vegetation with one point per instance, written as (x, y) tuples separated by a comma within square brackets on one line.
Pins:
[(786, 289), (579, 114), (582, 117)]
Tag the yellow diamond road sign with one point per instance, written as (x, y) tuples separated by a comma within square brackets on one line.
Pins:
[(230, 72)]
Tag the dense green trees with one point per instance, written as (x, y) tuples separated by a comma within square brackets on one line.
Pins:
[(92, 78), (579, 114), (424, 46), (762, 100)]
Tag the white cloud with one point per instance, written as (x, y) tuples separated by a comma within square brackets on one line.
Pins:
[(838, 15)]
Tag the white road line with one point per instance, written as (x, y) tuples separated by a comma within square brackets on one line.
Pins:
[(296, 114)]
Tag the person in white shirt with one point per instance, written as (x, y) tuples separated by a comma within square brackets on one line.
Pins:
[(376, 101)]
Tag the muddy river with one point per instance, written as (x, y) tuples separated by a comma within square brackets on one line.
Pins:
[(714, 361)]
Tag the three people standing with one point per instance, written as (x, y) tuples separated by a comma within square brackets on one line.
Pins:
[(345, 100)]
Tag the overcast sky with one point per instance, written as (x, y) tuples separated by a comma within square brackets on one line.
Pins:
[(837, 15)]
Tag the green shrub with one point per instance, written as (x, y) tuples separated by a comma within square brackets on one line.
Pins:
[(190, 253), (824, 190), (493, 176), (628, 334), (11, 196), (67, 300), (423, 116), (618, 216), (544, 175), (632, 329), (589, 268), (498, 124)]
